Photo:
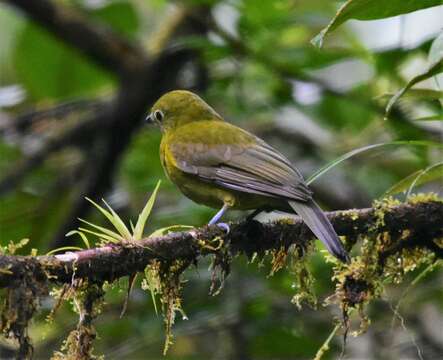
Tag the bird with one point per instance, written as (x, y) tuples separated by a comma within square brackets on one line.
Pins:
[(220, 165)]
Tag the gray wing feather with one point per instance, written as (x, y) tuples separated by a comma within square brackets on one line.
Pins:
[(257, 169)]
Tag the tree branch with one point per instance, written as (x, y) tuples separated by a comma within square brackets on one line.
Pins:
[(26, 120), (423, 219), (81, 132), (98, 42)]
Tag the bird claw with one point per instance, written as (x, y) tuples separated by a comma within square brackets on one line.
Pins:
[(224, 227)]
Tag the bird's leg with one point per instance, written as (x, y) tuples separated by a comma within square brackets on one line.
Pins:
[(218, 216)]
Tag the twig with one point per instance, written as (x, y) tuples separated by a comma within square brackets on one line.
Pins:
[(25, 120), (78, 133), (325, 346)]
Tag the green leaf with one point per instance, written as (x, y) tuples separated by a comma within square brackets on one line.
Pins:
[(419, 177), (103, 230), (50, 69), (11, 27), (371, 10), (437, 117), (429, 174), (120, 15), (428, 94), (118, 222), (82, 235), (435, 53), (172, 228), (64, 248), (141, 221), (363, 149), (434, 69), (114, 219), (99, 235)]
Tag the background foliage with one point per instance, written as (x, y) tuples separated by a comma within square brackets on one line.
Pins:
[(257, 66)]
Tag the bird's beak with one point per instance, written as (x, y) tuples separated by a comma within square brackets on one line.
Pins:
[(149, 119)]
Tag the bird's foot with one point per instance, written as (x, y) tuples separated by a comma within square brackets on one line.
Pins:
[(224, 227)]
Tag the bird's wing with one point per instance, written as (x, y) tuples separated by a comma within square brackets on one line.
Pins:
[(230, 157)]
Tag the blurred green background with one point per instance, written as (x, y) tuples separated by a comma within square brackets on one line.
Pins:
[(257, 67)]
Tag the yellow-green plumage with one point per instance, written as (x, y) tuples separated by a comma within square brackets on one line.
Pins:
[(218, 164), (202, 138)]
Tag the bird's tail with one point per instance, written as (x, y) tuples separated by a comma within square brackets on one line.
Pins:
[(320, 225)]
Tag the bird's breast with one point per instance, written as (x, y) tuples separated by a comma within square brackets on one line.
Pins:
[(192, 186)]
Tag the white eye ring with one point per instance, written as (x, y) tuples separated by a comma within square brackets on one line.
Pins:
[(158, 115)]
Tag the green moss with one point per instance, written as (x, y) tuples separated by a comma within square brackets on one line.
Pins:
[(87, 300), (423, 198), (163, 280), (353, 214), (12, 247), (364, 279), (20, 303), (304, 283), (278, 259), (296, 260), (59, 295)]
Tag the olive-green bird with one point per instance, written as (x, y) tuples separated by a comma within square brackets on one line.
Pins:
[(223, 166)]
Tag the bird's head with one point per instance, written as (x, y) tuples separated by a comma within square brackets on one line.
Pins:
[(179, 107)]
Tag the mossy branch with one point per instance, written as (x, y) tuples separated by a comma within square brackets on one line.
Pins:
[(395, 239), (409, 225)]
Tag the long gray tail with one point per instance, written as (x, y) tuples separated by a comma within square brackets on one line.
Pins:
[(320, 225)]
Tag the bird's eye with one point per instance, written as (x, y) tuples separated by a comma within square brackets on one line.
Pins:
[(158, 115)]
